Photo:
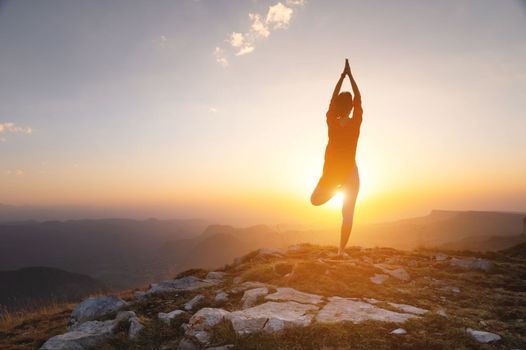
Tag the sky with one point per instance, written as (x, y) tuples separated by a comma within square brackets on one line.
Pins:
[(216, 109)]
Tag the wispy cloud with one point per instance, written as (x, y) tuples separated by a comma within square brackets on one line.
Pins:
[(14, 129), (15, 172), (278, 16)]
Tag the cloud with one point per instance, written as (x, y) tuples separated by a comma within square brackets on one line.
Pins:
[(16, 172), (212, 110), (219, 54), (245, 50), (236, 39), (278, 16), (14, 129), (258, 27)]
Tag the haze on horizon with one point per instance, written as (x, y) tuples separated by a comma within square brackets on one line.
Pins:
[(216, 109)]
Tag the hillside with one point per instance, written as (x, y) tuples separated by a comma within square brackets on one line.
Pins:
[(32, 286), (304, 298), (126, 253)]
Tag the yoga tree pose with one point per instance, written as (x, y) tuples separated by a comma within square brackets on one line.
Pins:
[(339, 170)]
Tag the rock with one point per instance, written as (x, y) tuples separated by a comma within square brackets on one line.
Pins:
[(291, 294), (483, 337), (237, 280), (250, 296), (190, 304), (441, 312), (269, 253), (215, 275), (248, 285), (125, 315), (344, 309), (221, 296), (399, 273), (409, 309), (440, 257), (181, 284), (399, 331), (93, 308), (272, 317), (202, 321), (136, 328), (379, 278), (139, 295), (88, 335), (472, 263), (169, 316)]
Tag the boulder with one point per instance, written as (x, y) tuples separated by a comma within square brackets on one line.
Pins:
[(483, 337), (202, 322), (221, 296), (169, 316), (215, 275), (272, 317), (251, 296), (399, 273), (409, 309), (186, 283), (88, 335), (135, 329), (190, 304), (94, 308), (472, 263), (379, 278), (399, 331), (248, 285), (345, 309), (291, 294)]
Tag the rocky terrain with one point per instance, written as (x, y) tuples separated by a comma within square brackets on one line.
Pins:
[(305, 298)]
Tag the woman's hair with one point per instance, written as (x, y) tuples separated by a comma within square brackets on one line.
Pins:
[(343, 104)]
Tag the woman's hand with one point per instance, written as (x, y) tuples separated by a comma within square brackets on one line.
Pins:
[(347, 69)]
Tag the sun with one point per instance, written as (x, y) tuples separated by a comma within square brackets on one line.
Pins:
[(336, 201)]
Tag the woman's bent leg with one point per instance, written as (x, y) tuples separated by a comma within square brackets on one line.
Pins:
[(323, 192), (350, 190)]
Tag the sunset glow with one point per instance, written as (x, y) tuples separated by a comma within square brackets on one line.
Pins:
[(216, 109)]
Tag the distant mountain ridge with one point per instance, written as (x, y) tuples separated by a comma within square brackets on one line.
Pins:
[(32, 286)]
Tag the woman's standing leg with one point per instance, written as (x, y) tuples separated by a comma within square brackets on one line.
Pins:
[(350, 193)]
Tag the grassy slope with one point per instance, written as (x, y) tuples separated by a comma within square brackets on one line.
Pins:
[(497, 297)]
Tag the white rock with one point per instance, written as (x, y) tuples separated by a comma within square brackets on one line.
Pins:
[(472, 263), (202, 321), (272, 317), (169, 316), (409, 309), (181, 284), (93, 308), (190, 304), (251, 296), (236, 280), (248, 285), (399, 331), (440, 257), (136, 328), (399, 273), (441, 312), (379, 278), (344, 309), (483, 337), (269, 252), (221, 296), (291, 294), (88, 335), (215, 275)]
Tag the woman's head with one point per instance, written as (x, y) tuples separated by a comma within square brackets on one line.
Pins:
[(343, 104)]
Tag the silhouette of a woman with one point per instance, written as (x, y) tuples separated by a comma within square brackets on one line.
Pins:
[(340, 171)]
